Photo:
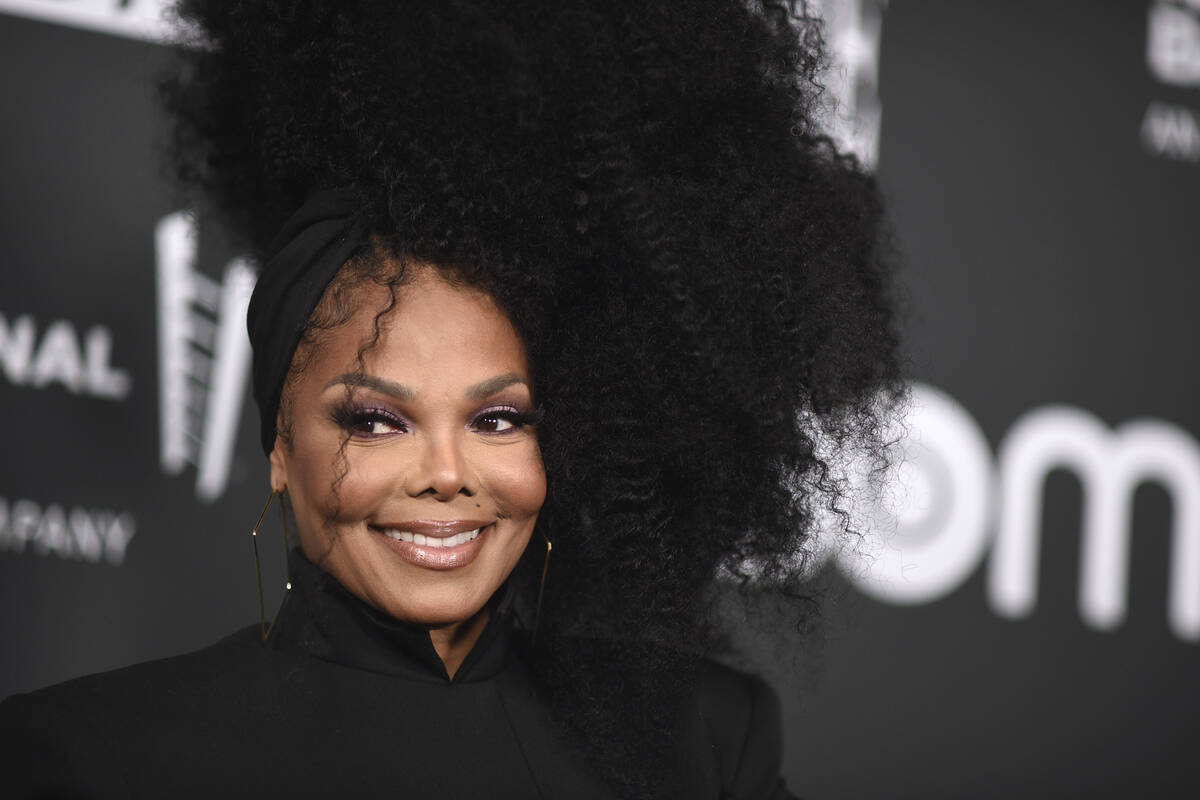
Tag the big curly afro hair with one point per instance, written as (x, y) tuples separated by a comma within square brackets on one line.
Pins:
[(701, 278)]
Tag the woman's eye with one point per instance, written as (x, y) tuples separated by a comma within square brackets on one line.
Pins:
[(375, 425), (498, 421), (368, 422)]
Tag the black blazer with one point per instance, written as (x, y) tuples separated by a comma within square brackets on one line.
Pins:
[(345, 702)]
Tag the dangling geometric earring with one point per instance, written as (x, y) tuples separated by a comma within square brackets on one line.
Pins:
[(287, 587), (537, 617)]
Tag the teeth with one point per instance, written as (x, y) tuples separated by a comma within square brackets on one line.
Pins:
[(433, 541)]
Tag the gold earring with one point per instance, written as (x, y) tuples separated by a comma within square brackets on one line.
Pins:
[(537, 616), (287, 587)]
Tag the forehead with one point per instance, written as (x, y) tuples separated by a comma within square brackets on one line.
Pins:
[(432, 332)]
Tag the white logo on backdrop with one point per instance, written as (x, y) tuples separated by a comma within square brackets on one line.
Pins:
[(138, 19), (1173, 42), (60, 356), (203, 356), (1173, 58), (951, 501), (77, 534), (852, 30), (1171, 131)]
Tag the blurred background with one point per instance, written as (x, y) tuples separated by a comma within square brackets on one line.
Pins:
[(1024, 617)]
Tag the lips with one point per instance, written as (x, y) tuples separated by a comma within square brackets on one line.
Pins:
[(435, 544)]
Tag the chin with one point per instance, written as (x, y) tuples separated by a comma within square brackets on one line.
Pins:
[(435, 608)]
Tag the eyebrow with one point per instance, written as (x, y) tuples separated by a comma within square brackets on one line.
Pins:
[(485, 389), (478, 391)]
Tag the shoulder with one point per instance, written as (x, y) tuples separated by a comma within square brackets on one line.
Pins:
[(74, 734), (149, 682), (736, 717)]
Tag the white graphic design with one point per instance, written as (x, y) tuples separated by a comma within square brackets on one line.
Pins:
[(61, 357), (852, 30), (934, 512), (1171, 132), (77, 534), (950, 502), (137, 19), (1173, 42), (203, 357), (1110, 465)]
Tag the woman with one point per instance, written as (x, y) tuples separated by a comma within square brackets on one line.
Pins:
[(559, 304)]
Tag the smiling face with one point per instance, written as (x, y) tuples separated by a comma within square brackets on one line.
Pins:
[(415, 476)]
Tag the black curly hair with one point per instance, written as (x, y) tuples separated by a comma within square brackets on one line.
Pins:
[(702, 280)]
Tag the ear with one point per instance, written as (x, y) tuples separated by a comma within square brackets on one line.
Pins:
[(278, 458)]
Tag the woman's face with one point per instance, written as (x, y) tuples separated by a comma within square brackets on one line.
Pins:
[(429, 506)]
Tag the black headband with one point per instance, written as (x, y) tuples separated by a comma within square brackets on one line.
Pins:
[(312, 246)]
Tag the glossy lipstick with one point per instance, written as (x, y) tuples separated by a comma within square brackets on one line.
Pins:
[(435, 544)]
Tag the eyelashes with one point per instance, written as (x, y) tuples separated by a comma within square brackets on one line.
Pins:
[(506, 418), (374, 421), (367, 421)]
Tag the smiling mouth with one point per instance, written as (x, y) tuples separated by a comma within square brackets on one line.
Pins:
[(437, 545), (432, 541)]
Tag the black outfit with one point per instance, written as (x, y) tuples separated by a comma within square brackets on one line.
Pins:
[(344, 701)]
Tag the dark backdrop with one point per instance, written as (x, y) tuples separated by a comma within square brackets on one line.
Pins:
[(1042, 164)]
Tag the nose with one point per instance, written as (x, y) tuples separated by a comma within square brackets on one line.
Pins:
[(440, 471)]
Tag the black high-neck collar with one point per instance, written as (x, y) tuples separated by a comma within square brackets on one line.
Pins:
[(321, 617)]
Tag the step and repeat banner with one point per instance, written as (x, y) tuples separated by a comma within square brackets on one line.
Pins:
[(1021, 616)]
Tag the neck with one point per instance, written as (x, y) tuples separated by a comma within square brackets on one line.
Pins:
[(453, 642)]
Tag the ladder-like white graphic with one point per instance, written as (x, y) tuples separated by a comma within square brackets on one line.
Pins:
[(137, 19), (203, 356), (853, 29)]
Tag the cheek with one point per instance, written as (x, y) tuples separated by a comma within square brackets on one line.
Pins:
[(330, 488), (518, 483)]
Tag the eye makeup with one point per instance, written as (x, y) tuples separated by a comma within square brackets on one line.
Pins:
[(506, 418), (365, 420), (359, 419)]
